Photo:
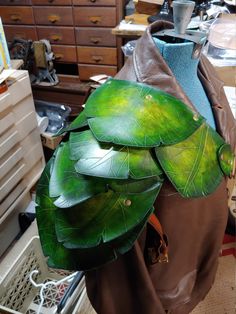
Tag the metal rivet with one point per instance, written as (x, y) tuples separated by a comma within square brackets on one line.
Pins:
[(148, 97), (127, 202), (196, 117)]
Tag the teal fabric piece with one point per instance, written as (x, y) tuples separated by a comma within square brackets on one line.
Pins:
[(179, 59)]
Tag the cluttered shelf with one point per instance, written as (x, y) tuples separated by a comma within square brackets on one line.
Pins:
[(143, 12), (136, 18)]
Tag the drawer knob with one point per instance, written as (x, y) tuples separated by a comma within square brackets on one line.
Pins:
[(97, 58), (95, 19), (93, 1), (53, 18), (56, 37), (95, 40), (50, 1), (59, 56), (16, 17)]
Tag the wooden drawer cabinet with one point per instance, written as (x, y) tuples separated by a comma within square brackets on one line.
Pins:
[(23, 32), (21, 154), (99, 55), (16, 128), (17, 15), (88, 36), (95, 2), (15, 2), (85, 16), (53, 16), (65, 53), (51, 2), (78, 30), (98, 51), (57, 35)]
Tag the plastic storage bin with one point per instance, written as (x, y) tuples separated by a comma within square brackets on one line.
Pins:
[(58, 114), (18, 295)]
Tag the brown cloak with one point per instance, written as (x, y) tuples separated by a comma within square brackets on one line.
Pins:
[(195, 227)]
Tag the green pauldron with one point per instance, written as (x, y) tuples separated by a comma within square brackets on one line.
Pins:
[(97, 191)]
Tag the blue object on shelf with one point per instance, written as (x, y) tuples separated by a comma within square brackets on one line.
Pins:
[(57, 114)]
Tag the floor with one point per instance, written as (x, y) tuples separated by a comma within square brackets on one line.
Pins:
[(222, 297)]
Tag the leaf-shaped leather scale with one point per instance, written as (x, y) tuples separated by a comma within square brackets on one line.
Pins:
[(135, 114), (227, 160), (192, 165), (105, 160), (74, 259), (102, 218), (66, 183)]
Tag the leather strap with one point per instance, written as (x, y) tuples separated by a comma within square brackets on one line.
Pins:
[(158, 254)]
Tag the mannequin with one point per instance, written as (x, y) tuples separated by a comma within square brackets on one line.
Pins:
[(195, 227), (178, 56)]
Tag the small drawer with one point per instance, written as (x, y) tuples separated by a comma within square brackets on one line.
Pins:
[(9, 160), (64, 53), (15, 2), (17, 15), (88, 70), (57, 35), (8, 140), (23, 32), (22, 108), (26, 125), (6, 122), (53, 15), (51, 2), (88, 36), (33, 156), (85, 16), (33, 175), (9, 200), (98, 55), (29, 141), (5, 103), (95, 2), (11, 179), (20, 89)]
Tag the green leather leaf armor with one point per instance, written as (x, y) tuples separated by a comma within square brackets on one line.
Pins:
[(97, 191)]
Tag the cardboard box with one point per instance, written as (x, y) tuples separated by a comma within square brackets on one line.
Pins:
[(227, 74), (50, 140)]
